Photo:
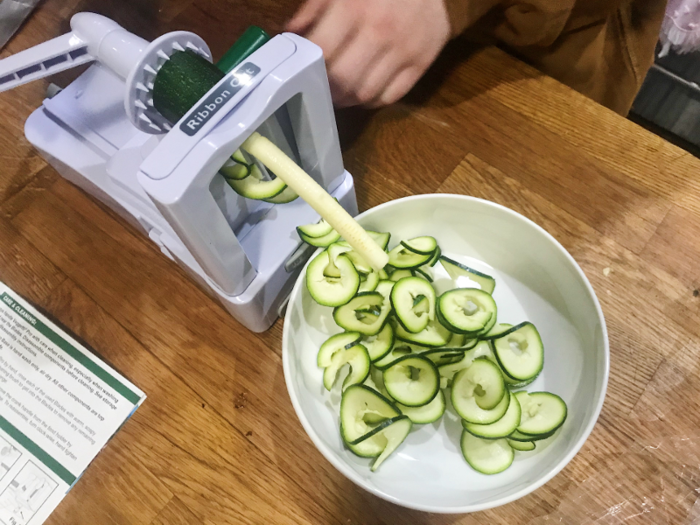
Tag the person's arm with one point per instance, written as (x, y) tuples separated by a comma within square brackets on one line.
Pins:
[(376, 50)]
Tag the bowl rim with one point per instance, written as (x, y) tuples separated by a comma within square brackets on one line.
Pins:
[(349, 473)]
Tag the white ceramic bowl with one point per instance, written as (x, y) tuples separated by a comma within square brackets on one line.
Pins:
[(536, 280)]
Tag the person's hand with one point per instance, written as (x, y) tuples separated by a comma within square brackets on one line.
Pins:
[(375, 50)]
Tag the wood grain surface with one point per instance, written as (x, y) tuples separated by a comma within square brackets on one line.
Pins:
[(217, 441)]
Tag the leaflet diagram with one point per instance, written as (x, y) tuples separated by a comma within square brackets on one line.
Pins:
[(25, 495), (8, 457)]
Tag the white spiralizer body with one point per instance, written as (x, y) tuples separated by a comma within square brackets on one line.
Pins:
[(245, 253)]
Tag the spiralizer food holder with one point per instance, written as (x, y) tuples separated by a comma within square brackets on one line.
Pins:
[(103, 134)]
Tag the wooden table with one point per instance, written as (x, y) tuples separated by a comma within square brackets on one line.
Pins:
[(218, 442)]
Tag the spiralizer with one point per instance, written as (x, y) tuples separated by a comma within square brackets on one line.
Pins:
[(171, 171)]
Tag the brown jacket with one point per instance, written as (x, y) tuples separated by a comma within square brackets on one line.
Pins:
[(601, 48)]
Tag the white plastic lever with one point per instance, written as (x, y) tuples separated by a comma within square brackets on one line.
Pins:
[(56, 55), (94, 37)]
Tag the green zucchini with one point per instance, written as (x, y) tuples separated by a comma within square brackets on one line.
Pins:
[(412, 380), (465, 277), (520, 352), (332, 291), (487, 456), (413, 301)]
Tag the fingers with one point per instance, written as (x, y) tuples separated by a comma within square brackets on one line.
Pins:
[(378, 79), (306, 15), (402, 84), (375, 50), (357, 61), (332, 32)]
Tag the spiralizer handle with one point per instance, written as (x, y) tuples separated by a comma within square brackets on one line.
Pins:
[(58, 54), (94, 37)]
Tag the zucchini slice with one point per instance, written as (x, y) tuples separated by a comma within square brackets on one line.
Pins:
[(513, 384), (444, 356), (520, 352), (332, 291), (427, 413), (396, 353), (334, 250), (376, 430), (436, 257), (464, 398), (448, 371), (256, 188), (385, 287), (402, 257), (502, 428), (395, 434), (334, 344), (369, 281), (357, 260), (381, 238), (523, 446), (377, 378), (466, 310), (239, 157), (421, 245), (367, 312), (357, 357), (462, 341), (413, 300), (361, 410), (320, 242), (235, 171), (379, 345), (524, 438), (499, 330), (412, 380), (423, 272), (487, 456), (434, 335), (483, 381), (543, 412), (288, 195), (466, 277), (319, 229), (361, 314), (397, 275)]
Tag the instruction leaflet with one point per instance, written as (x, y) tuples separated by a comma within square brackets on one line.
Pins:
[(59, 405)]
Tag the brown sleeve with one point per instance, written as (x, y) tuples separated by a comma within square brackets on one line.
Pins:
[(534, 22), (517, 23), (463, 13)]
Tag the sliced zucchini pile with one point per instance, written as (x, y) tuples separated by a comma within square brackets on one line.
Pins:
[(407, 348), (247, 179)]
